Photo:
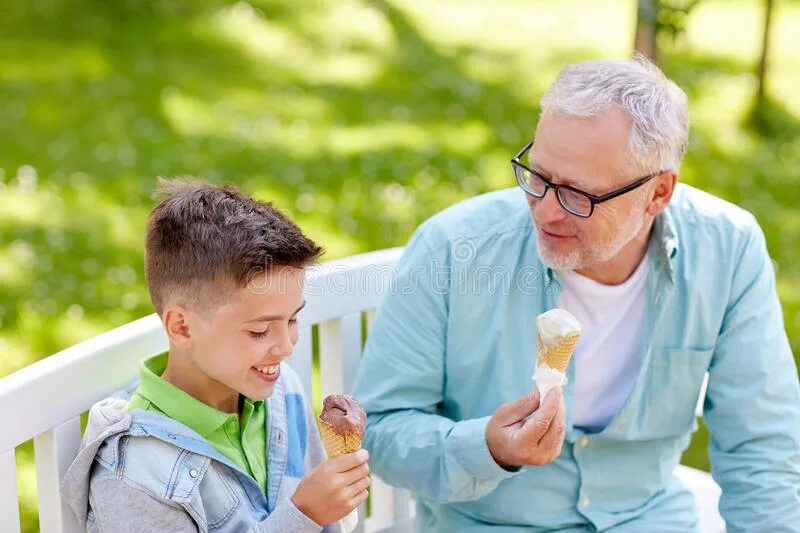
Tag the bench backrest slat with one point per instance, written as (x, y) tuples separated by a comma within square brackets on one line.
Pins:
[(55, 389), (340, 353), (301, 359), (9, 502), (54, 451)]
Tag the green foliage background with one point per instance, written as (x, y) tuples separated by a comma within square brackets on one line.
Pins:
[(359, 118)]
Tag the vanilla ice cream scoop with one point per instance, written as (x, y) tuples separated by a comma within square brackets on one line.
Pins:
[(558, 333), (556, 325)]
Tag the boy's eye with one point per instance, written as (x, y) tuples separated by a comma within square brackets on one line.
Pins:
[(261, 334)]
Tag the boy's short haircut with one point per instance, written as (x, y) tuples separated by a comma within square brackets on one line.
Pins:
[(204, 241)]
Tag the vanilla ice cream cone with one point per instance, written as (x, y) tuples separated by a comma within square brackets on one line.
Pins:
[(557, 356), (558, 334)]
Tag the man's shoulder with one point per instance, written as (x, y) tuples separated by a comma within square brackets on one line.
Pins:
[(703, 211), (481, 217)]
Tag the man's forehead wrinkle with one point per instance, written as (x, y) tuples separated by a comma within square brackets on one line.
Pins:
[(555, 176)]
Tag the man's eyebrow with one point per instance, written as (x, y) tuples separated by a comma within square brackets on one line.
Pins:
[(578, 184), (269, 318)]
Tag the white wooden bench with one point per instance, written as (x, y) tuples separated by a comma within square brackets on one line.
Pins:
[(44, 401)]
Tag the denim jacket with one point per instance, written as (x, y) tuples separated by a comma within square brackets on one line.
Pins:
[(140, 471)]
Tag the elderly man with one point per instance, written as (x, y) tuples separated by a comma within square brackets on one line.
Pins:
[(669, 283)]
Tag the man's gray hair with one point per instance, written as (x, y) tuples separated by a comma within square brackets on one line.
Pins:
[(659, 132)]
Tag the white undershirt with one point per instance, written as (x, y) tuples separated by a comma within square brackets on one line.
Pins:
[(609, 354)]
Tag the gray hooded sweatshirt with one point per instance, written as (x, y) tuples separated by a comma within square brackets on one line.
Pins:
[(140, 472)]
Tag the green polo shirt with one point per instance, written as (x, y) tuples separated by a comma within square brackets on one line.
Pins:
[(244, 443)]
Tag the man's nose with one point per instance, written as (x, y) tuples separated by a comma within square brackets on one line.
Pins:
[(547, 210)]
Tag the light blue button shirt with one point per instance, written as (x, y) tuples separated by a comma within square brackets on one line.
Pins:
[(455, 339)]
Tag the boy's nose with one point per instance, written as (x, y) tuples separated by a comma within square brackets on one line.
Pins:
[(283, 348)]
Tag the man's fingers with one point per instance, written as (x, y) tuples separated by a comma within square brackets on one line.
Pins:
[(519, 409), (535, 427), (553, 438)]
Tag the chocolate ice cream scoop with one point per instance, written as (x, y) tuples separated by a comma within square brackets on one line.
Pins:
[(344, 413)]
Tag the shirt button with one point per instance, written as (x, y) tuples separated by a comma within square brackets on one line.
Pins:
[(583, 441), (193, 473), (585, 502)]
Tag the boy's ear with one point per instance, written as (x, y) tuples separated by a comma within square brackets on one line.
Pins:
[(176, 324)]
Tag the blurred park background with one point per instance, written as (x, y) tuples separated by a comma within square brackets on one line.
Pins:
[(360, 118)]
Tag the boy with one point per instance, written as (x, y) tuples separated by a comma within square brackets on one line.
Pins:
[(218, 435)]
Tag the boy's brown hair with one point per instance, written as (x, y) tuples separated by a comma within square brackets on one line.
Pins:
[(203, 241)]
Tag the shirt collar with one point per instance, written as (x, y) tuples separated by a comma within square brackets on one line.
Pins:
[(663, 242), (178, 404)]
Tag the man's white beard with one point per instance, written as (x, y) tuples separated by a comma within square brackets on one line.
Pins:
[(587, 258), (569, 261)]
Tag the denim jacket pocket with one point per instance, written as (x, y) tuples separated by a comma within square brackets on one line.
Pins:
[(220, 500), (671, 397)]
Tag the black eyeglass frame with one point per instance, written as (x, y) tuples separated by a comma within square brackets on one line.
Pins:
[(593, 198)]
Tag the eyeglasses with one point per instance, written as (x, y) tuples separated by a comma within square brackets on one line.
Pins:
[(575, 201)]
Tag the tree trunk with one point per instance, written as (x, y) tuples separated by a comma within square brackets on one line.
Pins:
[(646, 26), (762, 63)]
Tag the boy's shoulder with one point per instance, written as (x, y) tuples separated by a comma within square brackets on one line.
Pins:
[(151, 464), (153, 443)]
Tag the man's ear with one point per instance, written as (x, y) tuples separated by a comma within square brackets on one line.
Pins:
[(176, 323), (659, 197)]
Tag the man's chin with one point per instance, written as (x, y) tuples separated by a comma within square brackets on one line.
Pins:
[(560, 261)]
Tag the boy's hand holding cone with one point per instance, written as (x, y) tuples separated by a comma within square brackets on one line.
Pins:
[(336, 487)]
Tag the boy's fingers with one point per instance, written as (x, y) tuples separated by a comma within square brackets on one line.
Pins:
[(354, 474), (359, 485), (360, 498), (348, 461)]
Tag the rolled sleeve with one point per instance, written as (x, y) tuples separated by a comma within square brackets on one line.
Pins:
[(467, 444)]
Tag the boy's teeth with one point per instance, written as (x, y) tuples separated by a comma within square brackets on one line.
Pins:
[(272, 369)]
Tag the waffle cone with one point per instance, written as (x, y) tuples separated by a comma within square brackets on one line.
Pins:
[(558, 356), (336, 443)]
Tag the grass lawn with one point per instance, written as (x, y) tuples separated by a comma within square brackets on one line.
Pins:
[(360, 119)]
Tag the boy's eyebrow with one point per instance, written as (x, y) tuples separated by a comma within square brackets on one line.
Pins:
[(268, 318)]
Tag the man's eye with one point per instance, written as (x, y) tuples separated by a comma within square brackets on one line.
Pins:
[(259, 334)]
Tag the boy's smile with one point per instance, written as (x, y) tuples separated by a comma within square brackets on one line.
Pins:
[(268, 373)]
